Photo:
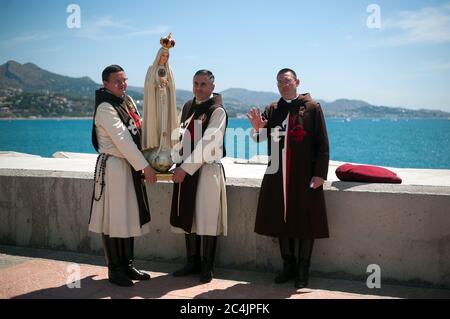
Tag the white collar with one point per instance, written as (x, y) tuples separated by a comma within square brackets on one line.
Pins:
[(200, 102), (290, 101)]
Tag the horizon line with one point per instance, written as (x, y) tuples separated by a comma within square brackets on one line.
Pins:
[(414, 108)]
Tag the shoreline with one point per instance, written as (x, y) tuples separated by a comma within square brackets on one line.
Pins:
[(347, 119), (45, 118)]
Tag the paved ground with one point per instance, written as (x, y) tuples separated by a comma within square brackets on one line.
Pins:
[(43, 274)]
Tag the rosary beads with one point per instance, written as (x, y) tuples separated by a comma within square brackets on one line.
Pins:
[(100, 173)]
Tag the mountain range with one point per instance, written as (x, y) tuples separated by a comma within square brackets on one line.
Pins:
[(28, 90)]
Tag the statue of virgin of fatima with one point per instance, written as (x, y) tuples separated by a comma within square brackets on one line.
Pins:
[(160, 110)]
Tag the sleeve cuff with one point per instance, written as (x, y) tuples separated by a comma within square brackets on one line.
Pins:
[(191, 168)]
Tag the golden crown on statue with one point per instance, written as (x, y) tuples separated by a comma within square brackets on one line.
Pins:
[(167, 42)]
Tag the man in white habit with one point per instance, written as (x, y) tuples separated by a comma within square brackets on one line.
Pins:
[(199, 202), (119, 208)]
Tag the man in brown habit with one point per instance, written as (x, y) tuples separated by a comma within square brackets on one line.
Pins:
[(291, 203), (199, 207)]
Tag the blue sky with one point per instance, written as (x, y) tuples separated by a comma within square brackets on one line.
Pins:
[(404, 63)]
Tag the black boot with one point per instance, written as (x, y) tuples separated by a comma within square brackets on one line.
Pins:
[(304, 256), (128, 258), (193, 256), (287, 249), (209, 252), (116, 270)]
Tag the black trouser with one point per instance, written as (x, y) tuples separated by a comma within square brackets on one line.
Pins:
[(195, 262), (119, 252), (304, 252), (304, 260), (291, 268), (209, 252)]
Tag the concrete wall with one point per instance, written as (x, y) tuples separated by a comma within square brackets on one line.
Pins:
[(403, 229)]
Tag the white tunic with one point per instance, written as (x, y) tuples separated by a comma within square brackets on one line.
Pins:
[(117, 212), (210, 215)]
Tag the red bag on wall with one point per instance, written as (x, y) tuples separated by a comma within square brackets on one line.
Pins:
[(367, 174)]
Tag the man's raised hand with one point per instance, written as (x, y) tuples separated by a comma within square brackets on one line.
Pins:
[(255, 118)]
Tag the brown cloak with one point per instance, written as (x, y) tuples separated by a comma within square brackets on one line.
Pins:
[(305, 215)]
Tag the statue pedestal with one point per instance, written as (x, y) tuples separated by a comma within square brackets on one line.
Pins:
[(164, 177)]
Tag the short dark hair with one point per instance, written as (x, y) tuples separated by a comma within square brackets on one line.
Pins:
[(114, 68), (286, 70), (207, 73)]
